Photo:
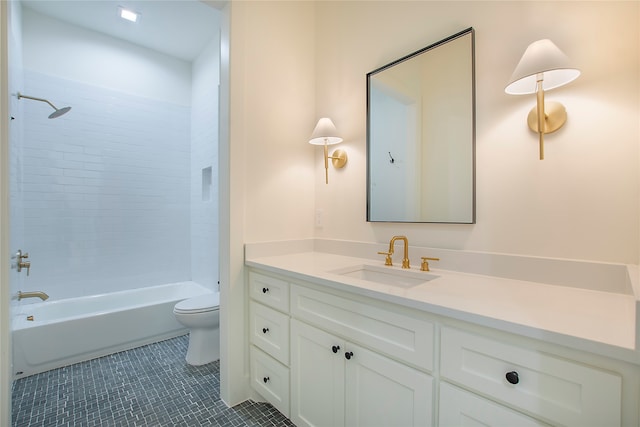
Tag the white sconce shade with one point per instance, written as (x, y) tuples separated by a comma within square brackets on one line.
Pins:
[(544, 57), (325, 133), (542, 67)]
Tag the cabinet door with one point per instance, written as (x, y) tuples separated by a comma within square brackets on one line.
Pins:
[(459, 408), (382, 392), (317, 377)]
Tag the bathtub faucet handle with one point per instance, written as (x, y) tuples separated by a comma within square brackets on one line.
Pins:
[(23, 264)]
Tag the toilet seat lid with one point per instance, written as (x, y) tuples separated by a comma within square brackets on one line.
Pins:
[(199, 304)]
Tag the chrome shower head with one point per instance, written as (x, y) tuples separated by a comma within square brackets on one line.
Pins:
[(55, 114)]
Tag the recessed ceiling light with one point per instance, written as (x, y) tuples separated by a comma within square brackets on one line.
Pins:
[(129, 15)]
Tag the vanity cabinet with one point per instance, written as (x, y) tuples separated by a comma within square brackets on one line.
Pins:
[(326, 357)]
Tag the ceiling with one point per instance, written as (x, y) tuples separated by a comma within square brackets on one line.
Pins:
[(179, 28)]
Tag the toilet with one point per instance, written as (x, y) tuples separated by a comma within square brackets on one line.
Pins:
[(201, 315)]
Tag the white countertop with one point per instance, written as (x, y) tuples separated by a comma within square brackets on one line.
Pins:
[(584, 319)]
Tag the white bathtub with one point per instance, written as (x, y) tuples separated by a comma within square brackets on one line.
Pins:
[(78, 329)]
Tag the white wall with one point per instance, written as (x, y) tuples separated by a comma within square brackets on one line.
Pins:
[(16, 134), (581, 202), (10, 72), (267, 163)]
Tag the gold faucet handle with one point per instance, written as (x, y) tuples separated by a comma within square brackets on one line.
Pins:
[(425, 262), (387, 259)]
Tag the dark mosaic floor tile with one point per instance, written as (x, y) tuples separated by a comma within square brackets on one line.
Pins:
[(149, 386)]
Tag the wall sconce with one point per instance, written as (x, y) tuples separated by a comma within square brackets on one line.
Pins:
[(325, 133), (542, 67)]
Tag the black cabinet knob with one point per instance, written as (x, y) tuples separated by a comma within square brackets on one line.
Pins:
[(265, 330), (348, 355), (265, 290), (265, 379), (512, 377), (335, 348)]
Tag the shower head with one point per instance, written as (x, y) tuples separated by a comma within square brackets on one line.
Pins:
[(55, 114), (59, 112)]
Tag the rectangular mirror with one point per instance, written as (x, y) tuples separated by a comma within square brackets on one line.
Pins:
[(421, 135)]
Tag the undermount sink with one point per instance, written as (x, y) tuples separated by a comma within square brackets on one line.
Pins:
[(386, 275)]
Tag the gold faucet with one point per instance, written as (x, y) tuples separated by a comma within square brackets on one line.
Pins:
[(35, 294), (405, 260)]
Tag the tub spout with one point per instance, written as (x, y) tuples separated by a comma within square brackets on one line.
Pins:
[(35, 294)]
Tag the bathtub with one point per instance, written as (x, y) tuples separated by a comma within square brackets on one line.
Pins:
[(77, 329)]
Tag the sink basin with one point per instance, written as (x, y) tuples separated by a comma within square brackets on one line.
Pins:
[(386, 275)]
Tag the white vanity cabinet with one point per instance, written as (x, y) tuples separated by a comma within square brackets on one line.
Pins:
[(327, 357)]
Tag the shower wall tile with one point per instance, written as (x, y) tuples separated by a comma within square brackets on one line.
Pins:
[(106, 189)]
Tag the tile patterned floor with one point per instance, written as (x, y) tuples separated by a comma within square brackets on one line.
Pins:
[(146, 386)]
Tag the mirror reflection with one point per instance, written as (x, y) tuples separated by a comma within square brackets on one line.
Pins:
[(421, 135)]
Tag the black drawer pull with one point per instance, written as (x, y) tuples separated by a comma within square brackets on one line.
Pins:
[(348, 355), (265, 330), (512, 377), (335, 348), (265, 290), (266, 379)]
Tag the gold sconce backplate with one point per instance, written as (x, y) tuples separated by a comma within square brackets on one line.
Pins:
[(555, 117), (339, 158)]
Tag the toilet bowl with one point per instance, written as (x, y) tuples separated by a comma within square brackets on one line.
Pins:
[(201, 315)]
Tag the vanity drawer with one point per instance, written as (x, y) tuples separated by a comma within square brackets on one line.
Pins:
[(397, 335), (269, 290), (553, 388), (270, 379), (458, 406), (269, 331)]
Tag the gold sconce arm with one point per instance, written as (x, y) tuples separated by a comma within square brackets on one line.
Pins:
[(541, 117), (545, 117), (339, 158)]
